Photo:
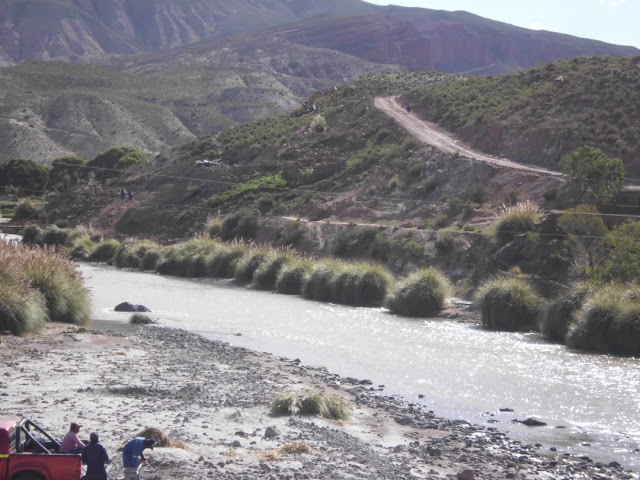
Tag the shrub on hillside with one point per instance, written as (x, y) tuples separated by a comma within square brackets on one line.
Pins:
[(515, 220), (27, 209), (623, 263), (241, 224), (310, 403), (26, 175), (422, 294), (508, 304), (609, 322), (559, 314), (66, 171), (293, 276), (214, 227)]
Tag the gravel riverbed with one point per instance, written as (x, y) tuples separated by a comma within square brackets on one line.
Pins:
[(216, 398)]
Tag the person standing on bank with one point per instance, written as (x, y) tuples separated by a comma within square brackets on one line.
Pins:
[(95, 456), (71, 443)]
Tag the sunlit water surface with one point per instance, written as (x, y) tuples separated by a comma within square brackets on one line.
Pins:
[(463, 371)]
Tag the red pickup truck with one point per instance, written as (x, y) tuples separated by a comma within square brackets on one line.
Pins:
[(28, 452)]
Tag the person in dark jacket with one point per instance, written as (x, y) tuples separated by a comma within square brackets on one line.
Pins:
[(95, 456)]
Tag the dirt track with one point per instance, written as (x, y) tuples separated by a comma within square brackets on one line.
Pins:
[(429, 133)]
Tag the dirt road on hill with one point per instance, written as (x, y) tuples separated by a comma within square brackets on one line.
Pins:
[(430, 133)]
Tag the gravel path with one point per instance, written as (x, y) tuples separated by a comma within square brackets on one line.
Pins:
[(216, 398), (430, 133)]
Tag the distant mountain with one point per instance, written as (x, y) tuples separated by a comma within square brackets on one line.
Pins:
[(90, 30)]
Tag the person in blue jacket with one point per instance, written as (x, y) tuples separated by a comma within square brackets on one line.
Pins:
[(132, 453), (94, 456)]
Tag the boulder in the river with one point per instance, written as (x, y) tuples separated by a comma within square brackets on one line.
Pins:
[(532, 422), (129, 307)]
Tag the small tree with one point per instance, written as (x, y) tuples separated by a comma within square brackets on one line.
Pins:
[(590, 172), (26, 175), (587, 231), (623, 263), (66, 171)]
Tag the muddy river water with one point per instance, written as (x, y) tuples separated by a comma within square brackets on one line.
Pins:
[(591, 403)]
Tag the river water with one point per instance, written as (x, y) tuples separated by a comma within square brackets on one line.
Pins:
[(591, 403)]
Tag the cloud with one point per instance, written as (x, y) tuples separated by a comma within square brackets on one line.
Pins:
[(613, 3)]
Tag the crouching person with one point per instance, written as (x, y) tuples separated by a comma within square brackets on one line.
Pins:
[(95, 456), (133, 455)]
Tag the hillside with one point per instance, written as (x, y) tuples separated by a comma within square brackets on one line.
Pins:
[(538, 115), (51, 109), (416, 38)]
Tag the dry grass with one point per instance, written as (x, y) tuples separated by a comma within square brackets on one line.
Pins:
[(288, 449), (313, 402), (162, 440), (515, 220)]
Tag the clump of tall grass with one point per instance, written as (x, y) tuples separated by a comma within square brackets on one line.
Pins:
[(311, 402), (362, 284), (54, 276), (105, 251), (27, 209), (608, 322), (422, 294), (22, 309), (32, 235), (214, 227), (508, 304), (318, 287), (266, 275), (187, 258), (224, 262), (247, 266), (559, 314), (54, 236), (294, 276), (131, 254), (150, 259), (517, 219)]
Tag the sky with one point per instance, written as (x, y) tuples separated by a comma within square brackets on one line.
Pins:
[(612, 21)]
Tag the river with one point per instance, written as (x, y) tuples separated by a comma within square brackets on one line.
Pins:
[(590, 402)]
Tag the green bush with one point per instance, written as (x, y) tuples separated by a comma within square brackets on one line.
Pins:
[(290, 234), (508, 304), (423, 294), (27, 209), (311, 403), (559, 314), (362, 284), (134, 157), (242, 224), (214, 227), (516, 220), (267, 273), (150, 259), (623, 264), (66, 171), (105, 251), (293, 276), (609, 322)]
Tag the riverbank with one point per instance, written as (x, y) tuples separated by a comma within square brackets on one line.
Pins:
[(216, 398)]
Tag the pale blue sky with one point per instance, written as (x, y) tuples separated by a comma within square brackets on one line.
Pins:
[(613, 21)]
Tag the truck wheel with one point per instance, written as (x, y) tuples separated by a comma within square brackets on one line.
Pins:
[(28, 476)]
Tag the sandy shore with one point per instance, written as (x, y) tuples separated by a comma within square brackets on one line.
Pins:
[(117, 380)]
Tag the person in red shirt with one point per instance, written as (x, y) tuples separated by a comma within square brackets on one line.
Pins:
[(71, 443)]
